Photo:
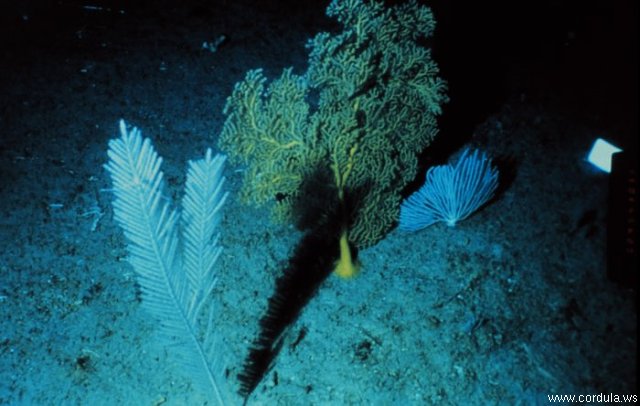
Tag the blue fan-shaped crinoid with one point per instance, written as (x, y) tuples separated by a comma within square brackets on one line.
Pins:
[(450, 192)]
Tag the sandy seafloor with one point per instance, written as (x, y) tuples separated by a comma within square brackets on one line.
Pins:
[(508, 307)]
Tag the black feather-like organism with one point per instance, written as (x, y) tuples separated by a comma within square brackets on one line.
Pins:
[(312, 261)]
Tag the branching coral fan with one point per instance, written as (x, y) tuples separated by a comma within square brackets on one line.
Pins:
[(358, 117)]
